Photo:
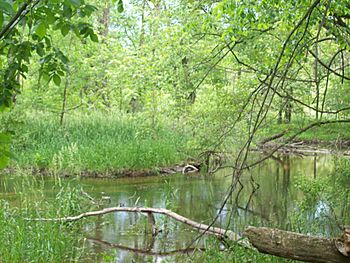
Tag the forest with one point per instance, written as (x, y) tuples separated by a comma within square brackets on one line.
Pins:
[(174, 131)]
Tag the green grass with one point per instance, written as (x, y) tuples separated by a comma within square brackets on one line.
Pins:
[(95, 142), (324, 133), (23, 240), (234, 253)]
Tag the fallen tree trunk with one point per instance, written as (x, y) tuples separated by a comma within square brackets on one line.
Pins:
[(294, 245)]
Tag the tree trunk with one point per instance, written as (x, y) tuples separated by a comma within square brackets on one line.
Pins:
[(294, 245)]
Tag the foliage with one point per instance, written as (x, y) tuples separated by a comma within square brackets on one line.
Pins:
[(26, 28), (324, 198), (23, 240), (169, 79), (215, 253), (96, 143)]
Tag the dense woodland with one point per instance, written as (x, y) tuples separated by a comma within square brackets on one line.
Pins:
[(122, 88)]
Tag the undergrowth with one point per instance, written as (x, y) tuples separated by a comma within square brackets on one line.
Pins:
[(328, 133), (25, 240), (95, 142)]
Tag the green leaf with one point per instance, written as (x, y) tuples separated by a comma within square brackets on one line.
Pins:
[(24, 68), (1, 19), (61, 73), (75, 3), (40, 30), (40, 50), (45, 76), (6, 8), (120, 6), (3, 160), (67, 11), (65, 30), (8, 154), (56, 79), (5, 138), (89, 9), (50, 17), (94, 37)]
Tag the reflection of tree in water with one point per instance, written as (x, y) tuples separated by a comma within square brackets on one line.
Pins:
[(266, 197), (266, 200)]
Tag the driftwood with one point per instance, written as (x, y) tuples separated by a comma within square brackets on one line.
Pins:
[(220, 232), (294, 245)]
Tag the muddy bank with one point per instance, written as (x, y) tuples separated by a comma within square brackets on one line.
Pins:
[(307, 147), (117, 173)]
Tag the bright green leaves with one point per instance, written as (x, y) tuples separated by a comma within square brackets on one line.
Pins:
[(53, 66), (40, 29), (56, 79), (5, 154), (17, 48)]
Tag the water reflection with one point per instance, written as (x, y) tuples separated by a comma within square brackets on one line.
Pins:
[(267, 199)]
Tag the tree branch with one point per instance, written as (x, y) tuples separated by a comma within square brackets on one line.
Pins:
[(202, 227), (13, 21)]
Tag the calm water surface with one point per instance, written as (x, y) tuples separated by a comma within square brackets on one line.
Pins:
[(268, 198)]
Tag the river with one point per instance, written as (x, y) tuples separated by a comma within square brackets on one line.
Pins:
[(269, 198)]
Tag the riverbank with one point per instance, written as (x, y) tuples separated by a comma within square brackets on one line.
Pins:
[(306, 147), (118, 173), (323, 139), (97, 145)]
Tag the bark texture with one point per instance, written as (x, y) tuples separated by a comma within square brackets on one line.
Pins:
[(294, 245)]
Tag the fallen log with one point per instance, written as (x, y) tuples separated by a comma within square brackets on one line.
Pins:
[(295, 246)]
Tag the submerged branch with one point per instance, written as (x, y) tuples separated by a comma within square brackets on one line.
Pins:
[(146, 252)]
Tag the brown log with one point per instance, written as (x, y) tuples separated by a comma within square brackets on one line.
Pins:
[(294, 245)]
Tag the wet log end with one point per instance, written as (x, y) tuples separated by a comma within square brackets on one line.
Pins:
[(294, 245)]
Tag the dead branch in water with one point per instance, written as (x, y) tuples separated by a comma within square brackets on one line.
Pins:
[(271, 241), (202, 227), (146, 252)]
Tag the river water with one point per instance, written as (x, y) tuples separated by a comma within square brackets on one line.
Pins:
[(269, 198)]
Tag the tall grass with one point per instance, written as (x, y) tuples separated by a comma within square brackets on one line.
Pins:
[(234, 254), (24, 240), (96, 142)]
